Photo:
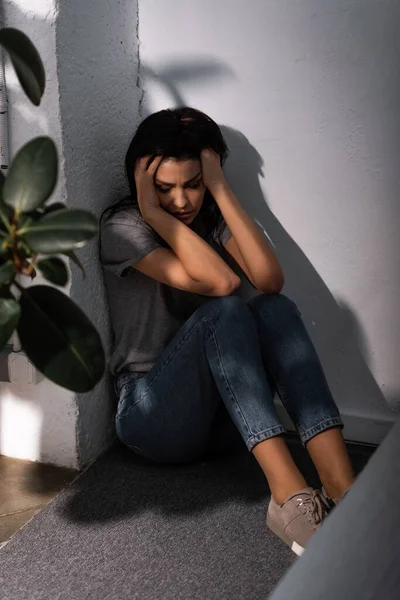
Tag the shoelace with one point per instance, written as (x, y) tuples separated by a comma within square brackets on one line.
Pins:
[(316, 506)]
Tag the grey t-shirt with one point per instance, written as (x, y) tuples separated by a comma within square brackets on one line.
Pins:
[(145, 314)]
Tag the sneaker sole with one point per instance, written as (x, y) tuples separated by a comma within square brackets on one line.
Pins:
[(294, 546)]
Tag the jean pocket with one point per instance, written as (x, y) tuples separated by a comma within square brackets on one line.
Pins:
[(127, 381), (126, 398), (122, 400), (130, 393)]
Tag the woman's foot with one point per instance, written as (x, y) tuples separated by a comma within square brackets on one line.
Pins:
[(297, 519), (333, 501)]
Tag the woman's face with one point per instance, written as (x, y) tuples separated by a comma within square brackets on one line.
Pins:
[(180, 188)]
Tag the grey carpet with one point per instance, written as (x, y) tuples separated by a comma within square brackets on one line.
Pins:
[(128, 530)]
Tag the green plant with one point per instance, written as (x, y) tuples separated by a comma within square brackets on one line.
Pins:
[(55, 334)]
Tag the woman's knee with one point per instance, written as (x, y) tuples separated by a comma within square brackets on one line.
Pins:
[(273, 304), (225, 306), (228, 303)]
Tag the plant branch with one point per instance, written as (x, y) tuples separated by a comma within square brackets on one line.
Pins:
[(5, 220)]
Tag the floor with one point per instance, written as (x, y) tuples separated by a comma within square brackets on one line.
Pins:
[(125, 529), (25, 488)]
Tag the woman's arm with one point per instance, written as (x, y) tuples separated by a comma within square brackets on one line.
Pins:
[(191, 258), (247, 246), (198, 259)]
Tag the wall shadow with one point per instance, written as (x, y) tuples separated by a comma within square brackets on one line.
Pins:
[(334, 329), (333, 326), (174, 74)]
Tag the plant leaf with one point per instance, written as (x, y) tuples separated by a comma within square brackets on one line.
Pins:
[(71, 254), (32, 176), (54, 270), (26, 62), (59, 339), (7, 272), (9, 317), (61, 231), (38, 213)]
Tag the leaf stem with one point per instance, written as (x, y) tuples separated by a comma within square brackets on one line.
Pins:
[(26, 223), (6, 222)]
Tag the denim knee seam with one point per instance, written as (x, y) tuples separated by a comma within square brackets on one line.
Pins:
[(306, 436), (264, 435)]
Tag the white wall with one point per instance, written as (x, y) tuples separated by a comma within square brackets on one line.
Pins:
[(90, 109), (309, 95)]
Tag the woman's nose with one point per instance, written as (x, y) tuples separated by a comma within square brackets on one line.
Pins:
[(179, 199)]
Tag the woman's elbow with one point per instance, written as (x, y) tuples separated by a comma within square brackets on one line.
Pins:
[(274, 285), (228, 286)]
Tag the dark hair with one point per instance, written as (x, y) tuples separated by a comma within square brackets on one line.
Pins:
[(180, 133)]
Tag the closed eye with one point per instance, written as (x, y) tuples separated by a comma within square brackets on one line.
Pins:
[(190, 186), (194, 186)]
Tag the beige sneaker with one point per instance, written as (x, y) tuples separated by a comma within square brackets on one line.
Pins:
[(298, 518)]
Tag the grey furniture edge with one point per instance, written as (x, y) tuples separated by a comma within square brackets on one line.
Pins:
[(356, 553)]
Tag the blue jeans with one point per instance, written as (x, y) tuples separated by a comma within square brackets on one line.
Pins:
[(214, 383)]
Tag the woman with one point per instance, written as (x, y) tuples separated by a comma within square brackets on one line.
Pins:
[(195, 365)]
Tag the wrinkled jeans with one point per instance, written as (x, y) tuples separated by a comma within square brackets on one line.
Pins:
[(214, 383)]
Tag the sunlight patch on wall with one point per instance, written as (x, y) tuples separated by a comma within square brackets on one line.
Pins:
[(41, 9), (20, 426)]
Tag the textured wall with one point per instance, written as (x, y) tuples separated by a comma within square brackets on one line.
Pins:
[(97, 68), (309, 95)]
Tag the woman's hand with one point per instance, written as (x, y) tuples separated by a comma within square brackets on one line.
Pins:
[(145, 171), (213, 176)]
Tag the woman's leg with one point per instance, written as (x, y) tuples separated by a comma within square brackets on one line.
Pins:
[(272, 455), (329, 454), (291, 360), (284, 478), (168, 415)]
